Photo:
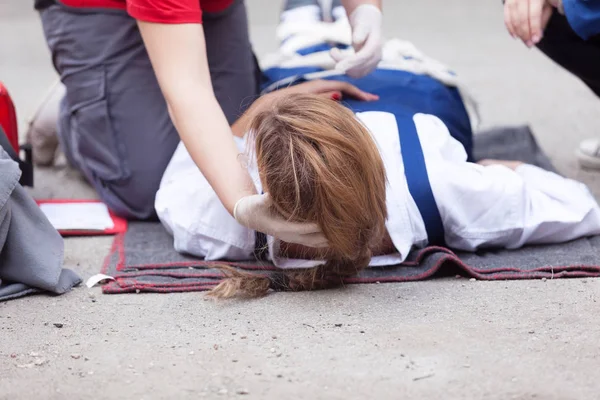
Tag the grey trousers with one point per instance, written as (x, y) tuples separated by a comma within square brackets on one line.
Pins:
[(31, 251), (113, 124), (291, 4)]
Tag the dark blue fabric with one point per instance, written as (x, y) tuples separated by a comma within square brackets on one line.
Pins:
[(418, 180), (583, 16), (403, 106), (400, 90)]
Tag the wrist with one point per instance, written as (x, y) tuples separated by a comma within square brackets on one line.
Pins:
[(365, 17), (366, 8), (352, 5), (235, 209), (233, 203)]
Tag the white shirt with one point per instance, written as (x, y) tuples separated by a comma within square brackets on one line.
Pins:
[(480, 206)]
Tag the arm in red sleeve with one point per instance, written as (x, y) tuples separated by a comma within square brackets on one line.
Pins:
[(166, 11)]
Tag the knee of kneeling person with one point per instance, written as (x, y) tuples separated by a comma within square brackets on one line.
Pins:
[(131, 199)]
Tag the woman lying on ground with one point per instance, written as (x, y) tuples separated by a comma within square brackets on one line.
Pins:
[(380, 175), (347, 172)]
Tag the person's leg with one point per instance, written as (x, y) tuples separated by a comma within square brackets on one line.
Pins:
[(292, 4), (578, 56), (41, 133), (581, 58), (233, 68), (113, 123), (301, 12), (337, 10)]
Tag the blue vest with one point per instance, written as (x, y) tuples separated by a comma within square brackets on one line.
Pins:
[(397, 90), (415, 171)]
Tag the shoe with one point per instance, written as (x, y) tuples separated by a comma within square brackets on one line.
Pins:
[(42, 130), (588, 153)]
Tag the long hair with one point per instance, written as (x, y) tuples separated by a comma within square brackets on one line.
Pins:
[(319, 164)]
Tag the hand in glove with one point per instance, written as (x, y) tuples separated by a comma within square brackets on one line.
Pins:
[(256, 212), (367, 38)]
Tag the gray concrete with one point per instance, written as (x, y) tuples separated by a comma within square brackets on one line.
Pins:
[(447, 339)]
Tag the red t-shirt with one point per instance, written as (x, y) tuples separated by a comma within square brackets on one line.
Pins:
[(161, 11)]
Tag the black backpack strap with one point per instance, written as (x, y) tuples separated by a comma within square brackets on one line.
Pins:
[(26, 165)]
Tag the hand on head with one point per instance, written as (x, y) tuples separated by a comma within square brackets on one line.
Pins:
[(334, 90), (527, 19), (328, 89)]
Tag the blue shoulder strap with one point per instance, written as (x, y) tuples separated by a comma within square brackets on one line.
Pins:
[(414, 165), (418, 180)]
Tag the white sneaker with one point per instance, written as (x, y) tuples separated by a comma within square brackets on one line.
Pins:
[(588, 153), (42, 130)]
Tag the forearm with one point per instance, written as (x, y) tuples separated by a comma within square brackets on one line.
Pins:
[(350, 5), (207, 136), (184, 78)]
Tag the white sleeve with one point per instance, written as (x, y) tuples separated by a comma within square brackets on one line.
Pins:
[(496, 206), (191, 211)]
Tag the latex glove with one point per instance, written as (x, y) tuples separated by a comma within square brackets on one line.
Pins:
[(256, 212), (367, 38)]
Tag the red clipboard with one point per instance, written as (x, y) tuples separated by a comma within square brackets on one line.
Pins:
[(120, 224)]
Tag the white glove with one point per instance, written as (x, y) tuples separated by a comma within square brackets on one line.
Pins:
[(367, 38), (256, 212)]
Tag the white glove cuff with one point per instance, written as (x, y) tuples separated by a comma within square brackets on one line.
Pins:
[(235, 207), (368, 9)]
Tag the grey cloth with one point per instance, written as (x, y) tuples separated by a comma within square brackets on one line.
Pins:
[(114, 125), (291, 4), (31, 251), (511, 143), (144, 258)]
